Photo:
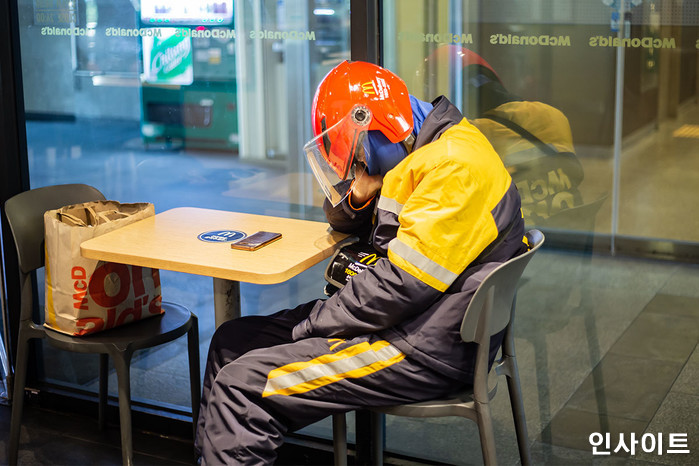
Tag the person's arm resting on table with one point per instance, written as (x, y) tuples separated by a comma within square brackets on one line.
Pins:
[(386, 294)]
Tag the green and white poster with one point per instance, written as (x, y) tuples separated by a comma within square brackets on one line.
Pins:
[(167, 57)]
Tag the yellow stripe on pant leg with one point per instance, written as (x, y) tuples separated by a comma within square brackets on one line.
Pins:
[(353, 362), (327, 358)]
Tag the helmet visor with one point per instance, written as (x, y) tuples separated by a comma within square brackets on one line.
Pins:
[(333, 153), (336, 189)]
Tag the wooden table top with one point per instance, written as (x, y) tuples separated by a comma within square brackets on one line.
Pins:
[(170, 241)]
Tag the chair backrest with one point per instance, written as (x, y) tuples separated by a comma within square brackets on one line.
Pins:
[(499, 286), (25, 215)]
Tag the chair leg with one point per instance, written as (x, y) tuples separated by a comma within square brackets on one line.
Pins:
[(103, 390), (485, 430), (194, 371), (18, 398), (340, 439), (520, 420), (122, 361)]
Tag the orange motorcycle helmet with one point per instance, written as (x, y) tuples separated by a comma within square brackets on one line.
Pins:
[(354, 98)]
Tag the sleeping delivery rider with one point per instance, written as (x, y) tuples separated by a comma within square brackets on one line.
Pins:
[(427, 190)]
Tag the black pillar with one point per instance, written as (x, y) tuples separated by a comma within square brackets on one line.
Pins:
[(14, 171)]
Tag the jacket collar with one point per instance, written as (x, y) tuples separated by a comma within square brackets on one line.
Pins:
[(443, 116)]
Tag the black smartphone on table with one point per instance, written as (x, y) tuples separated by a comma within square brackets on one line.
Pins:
[(256, 241)]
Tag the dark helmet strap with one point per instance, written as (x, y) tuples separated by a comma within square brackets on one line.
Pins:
[(409, 142)]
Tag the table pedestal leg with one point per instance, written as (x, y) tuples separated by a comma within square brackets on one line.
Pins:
[(226, 300), (370, 437)]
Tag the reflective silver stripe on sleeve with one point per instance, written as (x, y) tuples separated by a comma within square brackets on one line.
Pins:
[(389, 205), (422, 262)]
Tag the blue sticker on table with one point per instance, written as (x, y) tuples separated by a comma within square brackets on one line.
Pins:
[(221, 236)]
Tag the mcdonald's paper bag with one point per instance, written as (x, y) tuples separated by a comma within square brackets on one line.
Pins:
[(84, 296)]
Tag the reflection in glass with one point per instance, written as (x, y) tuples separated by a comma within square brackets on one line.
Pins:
[(202, 104), (533, 139), (612, 97)]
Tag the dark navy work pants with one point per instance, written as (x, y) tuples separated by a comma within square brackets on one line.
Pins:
[(260, 384)]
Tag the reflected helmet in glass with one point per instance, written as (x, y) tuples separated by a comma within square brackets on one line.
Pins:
[(482, 88)]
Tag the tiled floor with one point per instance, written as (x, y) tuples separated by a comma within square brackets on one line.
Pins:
[(605, 344), (636, 385), (607, 348), (56, 438)]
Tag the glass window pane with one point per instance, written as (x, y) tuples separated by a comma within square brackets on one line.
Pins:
[(572, 87), (593, 108), (198, 104)]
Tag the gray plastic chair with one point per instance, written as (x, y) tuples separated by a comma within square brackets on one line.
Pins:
[(25, 213), (490, 311)]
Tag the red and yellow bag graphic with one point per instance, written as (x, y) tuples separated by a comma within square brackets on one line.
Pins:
[(84, 296)]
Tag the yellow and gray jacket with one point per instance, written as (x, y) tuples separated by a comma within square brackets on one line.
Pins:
[(446, 215)]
